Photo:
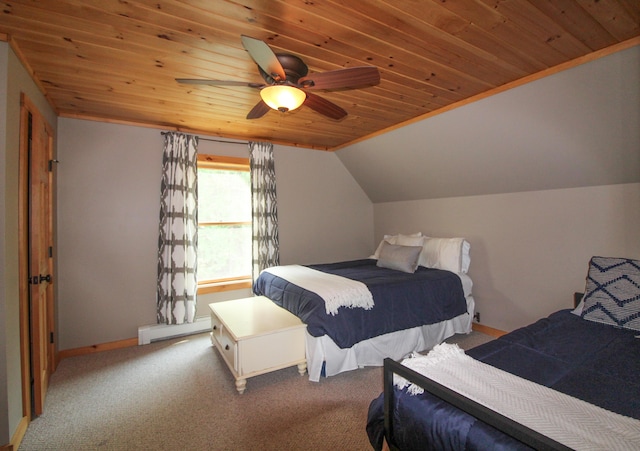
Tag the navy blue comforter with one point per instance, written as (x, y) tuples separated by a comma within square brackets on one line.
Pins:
[(594, 362), (401, 300)]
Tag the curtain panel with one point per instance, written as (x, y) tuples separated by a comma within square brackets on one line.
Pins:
[(178, 230), (264, 207)]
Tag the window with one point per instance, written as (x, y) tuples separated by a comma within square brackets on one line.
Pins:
[(224, 223)]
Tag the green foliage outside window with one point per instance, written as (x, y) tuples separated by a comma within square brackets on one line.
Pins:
[(224, 229)]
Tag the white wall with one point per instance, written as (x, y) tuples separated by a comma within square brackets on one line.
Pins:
[(108, 210), (108, 207), (529, 251), (578, 127), (324, 215)]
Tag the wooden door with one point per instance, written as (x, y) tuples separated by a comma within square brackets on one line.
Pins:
[(38, 153)]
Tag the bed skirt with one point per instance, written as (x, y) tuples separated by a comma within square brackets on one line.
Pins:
[(372, 352)]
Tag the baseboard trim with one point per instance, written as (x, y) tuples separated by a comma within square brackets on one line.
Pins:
[(97, 348), (18, 435), (155, 332), (488, 330), (146, 335)]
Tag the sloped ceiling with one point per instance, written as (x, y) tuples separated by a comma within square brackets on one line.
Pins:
[(117, 61), (576, 128)]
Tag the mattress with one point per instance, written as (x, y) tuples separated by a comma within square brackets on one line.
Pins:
[(401, 301)]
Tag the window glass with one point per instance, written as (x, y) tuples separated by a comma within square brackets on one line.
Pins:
[(223, 195), (224, 220)]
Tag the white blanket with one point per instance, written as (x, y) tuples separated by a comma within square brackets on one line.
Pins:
[(336, 291), (570, 421)]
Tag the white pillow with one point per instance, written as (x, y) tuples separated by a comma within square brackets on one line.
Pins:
[(451, 254), (414, 239), (410, 240)]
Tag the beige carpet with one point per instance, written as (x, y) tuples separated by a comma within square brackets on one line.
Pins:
[(179, 395)]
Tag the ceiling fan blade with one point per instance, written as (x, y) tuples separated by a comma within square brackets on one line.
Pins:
[(349, 78), (259, 110), (196, 81), (264, 57), (324, 107)]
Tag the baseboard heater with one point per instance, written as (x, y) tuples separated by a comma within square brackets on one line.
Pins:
[(156, 332)]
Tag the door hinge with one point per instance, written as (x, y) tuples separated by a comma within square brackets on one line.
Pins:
[(51, 164), (37, 280), (51, 340), (50, 251)]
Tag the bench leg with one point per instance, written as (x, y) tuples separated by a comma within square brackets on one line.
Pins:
[(241, 384)]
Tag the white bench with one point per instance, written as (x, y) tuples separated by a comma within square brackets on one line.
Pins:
[(256, 336)]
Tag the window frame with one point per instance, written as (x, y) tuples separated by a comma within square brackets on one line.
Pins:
[(233, 164)]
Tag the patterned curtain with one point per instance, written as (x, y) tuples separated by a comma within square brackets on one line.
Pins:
[(178, 231), (265, 246)]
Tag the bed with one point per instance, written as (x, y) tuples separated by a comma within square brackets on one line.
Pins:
[(420, 294), (571, 380)]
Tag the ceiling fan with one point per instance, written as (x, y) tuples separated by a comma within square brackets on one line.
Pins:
[(288, 84)]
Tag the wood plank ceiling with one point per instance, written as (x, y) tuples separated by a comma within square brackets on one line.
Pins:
[(117, 60)]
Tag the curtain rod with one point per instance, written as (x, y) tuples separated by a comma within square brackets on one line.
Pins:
[(244, 143)]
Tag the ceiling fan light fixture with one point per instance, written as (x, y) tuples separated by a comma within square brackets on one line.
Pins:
[(283, 98)]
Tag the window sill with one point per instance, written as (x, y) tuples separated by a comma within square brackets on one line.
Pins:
[(224, 286)]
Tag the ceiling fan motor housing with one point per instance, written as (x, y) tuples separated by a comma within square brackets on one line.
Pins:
[(294, 69)]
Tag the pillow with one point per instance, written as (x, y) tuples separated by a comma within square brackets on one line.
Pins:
[(414, 239), (612, 293), (400, 258), (410, 240), (451, 254)]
